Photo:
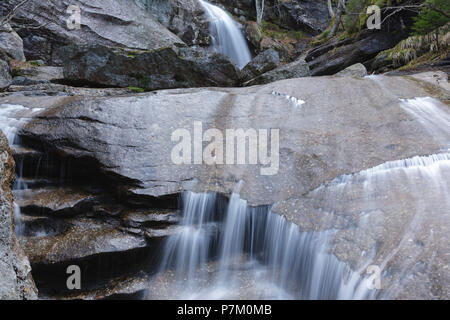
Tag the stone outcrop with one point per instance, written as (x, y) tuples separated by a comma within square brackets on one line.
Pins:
[(356, 70), (108, 22), (310, 16), (5, 71), (149, 70), (11, 43), (296, 69), (262, 63), (333, 57), (15, 278), (185, 18)]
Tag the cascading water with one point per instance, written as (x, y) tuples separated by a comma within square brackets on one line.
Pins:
[(12, 117), (228, 250), (238, 252), (225, 35)]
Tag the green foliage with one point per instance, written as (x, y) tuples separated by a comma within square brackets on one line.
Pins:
[(355, 10), (136, 89), (430, 19)]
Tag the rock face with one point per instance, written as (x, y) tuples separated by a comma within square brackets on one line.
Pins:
[(150, 70), (296, 69), (184, 18), (38, 75), (356, 70), (15, 278), (110, 22), (11, 43), (334, 57), (310, 16), (318, 147), (5, 71), (262, 63), (332, 130)]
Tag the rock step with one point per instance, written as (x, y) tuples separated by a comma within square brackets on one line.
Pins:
[(56, 202), (129, 287)]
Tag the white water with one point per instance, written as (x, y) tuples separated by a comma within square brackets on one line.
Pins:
[(432, 115), (232, 251), (226, 36), (12, 118)]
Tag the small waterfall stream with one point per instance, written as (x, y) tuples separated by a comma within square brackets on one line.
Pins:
[(225, 35), (233, 251), (12, 117)]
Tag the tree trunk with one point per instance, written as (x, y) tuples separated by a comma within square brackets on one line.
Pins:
[(330, 9), (259, 12), (339, 12)]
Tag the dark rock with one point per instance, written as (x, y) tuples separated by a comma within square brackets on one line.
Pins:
[(310, 16), (37, 75), (15, 277), (253, 34), (262, 63), (5, 74), (56, 202), (108, 22), (82, 238), (269, 43), (183, 17), (150, 70), (336, 56), (296, 69)]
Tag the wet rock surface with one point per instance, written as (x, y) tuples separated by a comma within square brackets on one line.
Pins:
[(16, 281), (100, 129), (333, 57)]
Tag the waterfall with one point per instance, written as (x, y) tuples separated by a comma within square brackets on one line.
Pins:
[(12, 117), (233, 251), (225, 35), (229, 250)]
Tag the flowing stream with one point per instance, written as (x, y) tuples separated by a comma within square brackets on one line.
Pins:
[(226, 249), (226, 37)]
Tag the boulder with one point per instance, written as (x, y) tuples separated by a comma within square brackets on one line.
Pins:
[(149, 70), (185, 18), (253, 34), (333, 57), (356, 70), (15, 277), (310, 16), (38, 75), (109, 22), (262, 63), (11, 43), (296, 69)]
